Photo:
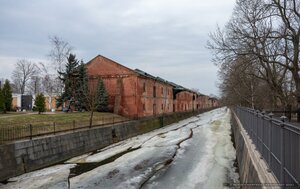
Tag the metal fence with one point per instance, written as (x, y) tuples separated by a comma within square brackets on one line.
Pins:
[(17, 131), (277, 141)]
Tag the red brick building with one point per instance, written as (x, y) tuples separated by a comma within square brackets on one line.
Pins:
[(184, 99), (136, 93), (131, 92), (213, 102)]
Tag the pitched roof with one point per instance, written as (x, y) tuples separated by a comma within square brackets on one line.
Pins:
[(103, 57), (145, 74)]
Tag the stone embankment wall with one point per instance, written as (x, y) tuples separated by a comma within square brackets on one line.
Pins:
[(252, 168), (27, 155)]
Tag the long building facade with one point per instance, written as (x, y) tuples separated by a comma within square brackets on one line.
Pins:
[(136, 93)]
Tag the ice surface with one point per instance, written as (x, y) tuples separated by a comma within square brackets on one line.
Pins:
[(129, 171), (193, 153), (205, 161), (54, 177)]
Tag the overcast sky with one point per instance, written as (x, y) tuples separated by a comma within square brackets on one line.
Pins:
[(166, 38)]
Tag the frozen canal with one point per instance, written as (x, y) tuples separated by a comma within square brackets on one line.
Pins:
[(194, 153)]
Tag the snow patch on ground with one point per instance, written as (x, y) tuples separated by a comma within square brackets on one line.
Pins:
[(203, 161), (52, 177), (170, 138), (156, 137), (129, 171)]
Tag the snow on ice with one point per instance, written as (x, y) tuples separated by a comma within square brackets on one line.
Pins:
[(193, 153)]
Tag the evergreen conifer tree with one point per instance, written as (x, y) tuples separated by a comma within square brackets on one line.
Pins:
[(2, 106), (101, 98), (69, 77), (7, 96), (81, 87), (40, 103)]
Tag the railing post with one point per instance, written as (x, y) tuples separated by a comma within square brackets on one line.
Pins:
[(256, 123), (252, 113), (262, 135), (30, 127), (54, 127), (270, 142), (283, 118)]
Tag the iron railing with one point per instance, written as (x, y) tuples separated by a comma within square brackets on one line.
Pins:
[(277, 141), (18, 131)]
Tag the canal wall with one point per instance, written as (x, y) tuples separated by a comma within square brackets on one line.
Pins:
[(252, 168), (27, 155)]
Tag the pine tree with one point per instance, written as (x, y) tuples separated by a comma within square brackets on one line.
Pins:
[(40, 103), (69, 78), (81, 87), (7, 95), (2, 106), (101, 98)]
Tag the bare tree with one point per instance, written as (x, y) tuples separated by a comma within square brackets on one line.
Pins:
[(35, 84), (49, 83), (59, 53), (266, 32), (90, 98), (23, 72)]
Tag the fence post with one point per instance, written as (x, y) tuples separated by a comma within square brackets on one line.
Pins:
[(262, 134), (256, 127), (283, 118), (30, 127), (54, 127), (270, 142)]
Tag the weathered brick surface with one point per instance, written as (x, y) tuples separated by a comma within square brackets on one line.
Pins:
[(185, 101), (140, 95)]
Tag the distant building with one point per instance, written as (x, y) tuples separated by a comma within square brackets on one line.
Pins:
[(136, 93), (213, 102), (26, 102), (131, 92), (22, 102)]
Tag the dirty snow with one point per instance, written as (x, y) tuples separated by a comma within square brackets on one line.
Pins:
[(50, 178), (205, 161), (193, 153)]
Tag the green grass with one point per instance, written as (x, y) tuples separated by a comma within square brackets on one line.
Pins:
[(17, 125), (28, 118)]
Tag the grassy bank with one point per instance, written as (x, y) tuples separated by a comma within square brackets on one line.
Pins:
[(21, 125)]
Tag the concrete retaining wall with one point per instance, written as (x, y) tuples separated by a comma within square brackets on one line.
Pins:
[(28, 155), (252, 168)]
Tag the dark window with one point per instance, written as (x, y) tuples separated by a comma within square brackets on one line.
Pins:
[(144, 87), (162, 106), (154, 91)]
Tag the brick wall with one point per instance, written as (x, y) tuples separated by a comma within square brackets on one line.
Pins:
[(184, 101)]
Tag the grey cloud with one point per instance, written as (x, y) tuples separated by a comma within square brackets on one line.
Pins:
[(166, 38)]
